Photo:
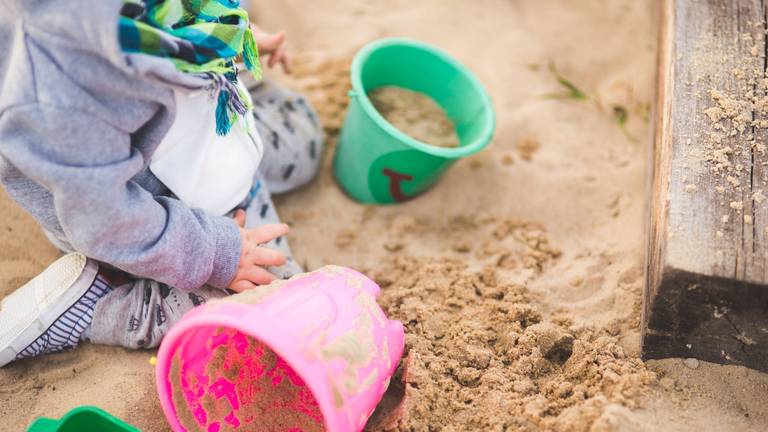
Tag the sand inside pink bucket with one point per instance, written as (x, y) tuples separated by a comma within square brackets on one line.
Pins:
[(245, 386)]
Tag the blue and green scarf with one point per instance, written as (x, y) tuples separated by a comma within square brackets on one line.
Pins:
[(201, 37)]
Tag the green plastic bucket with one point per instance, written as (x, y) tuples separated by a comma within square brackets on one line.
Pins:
[(377, 163), (82, 419)]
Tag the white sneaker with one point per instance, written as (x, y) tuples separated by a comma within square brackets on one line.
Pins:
[(50, 312)]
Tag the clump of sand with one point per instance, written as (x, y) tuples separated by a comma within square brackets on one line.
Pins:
[(481, 356), (527, 147), (415, 114)]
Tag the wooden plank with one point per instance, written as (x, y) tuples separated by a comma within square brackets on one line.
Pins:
[(707, 261)]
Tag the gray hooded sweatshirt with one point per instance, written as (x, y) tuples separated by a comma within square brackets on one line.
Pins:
[(78, 127)]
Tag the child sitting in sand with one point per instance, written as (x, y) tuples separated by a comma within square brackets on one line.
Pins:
[(127, 133)]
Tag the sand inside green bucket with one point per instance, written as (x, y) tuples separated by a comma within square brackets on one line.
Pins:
[(415, 114)]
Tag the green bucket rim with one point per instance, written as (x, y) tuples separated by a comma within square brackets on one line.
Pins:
[(44, 424), (450, 153)]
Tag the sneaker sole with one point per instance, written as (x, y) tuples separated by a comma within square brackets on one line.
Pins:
[(30, 310)]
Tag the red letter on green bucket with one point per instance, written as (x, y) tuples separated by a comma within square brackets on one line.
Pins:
[(395, 189)]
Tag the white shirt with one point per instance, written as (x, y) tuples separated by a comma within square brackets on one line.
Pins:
[(205, 170)]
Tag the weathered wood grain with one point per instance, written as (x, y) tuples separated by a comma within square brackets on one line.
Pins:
[(707, 262)]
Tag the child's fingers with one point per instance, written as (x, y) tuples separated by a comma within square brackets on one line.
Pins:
[(258, 275), (239, 217), (277, 40), (267, 233), (286, 62), (242, 285), (276, 56), (271, 60), (266, 257), (270, 43)]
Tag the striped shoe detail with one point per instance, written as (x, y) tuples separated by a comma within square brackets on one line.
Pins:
[(65, 332)]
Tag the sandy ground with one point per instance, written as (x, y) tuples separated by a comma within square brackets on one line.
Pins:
[(547, 222)]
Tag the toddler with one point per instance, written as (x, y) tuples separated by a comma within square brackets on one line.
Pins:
[(129, 134)]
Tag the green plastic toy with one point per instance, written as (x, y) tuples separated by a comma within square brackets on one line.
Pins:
[(82, 419), (376, 162)]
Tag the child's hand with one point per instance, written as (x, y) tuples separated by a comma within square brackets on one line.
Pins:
[(254, 257), (272, 46)]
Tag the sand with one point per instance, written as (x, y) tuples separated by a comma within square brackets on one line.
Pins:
[(483, 357), (518, 276), (415, 114), (270, 394)]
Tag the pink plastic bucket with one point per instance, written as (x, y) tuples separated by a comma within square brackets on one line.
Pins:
[(334, 348)]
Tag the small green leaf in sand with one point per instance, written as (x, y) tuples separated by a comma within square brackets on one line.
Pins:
[(622, 115), (572, 92)]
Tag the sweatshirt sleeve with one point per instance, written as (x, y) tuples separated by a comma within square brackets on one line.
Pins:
[(87, 165)]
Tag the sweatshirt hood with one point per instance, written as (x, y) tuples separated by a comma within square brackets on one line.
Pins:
[(90, 25)]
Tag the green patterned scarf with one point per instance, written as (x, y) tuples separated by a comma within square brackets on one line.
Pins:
[(202, 37)]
